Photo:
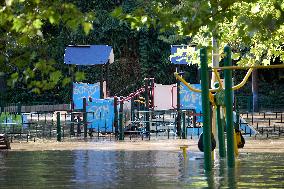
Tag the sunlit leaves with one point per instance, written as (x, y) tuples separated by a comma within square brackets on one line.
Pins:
[(18, 24), (55, 76), (28, 74), (66, 81), (87, 27), (79, 76), (37, 23), (8, 2), (252, 28), (13, 79), (24, 32)]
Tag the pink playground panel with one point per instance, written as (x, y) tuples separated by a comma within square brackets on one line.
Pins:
[(165, 96)]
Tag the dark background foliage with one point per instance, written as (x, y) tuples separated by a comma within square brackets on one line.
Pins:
[(138, 54)]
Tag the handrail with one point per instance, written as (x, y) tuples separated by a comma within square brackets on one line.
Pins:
[(243, 81), (249, 67), (132, 95), (193, 89), (218, 78)]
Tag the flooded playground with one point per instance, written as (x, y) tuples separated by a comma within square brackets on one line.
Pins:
[(137, 164), (99, 141)]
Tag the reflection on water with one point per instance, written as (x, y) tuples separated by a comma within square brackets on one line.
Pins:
[(135, 169)]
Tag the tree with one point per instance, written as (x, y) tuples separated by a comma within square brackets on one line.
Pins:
[(24, 54), (254, 29)]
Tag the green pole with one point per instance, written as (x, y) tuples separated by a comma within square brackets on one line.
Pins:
[(147, 105), (221, 138), (115, 122), (183, 126), (237, 124), (72, 124), (58, 133), (85, 117), (205, 110), (229, 108), (121, 132), (19, 108)]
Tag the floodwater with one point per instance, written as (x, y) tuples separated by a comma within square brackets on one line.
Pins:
[(135, 169)]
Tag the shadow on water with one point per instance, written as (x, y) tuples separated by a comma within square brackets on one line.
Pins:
[(135, 169)]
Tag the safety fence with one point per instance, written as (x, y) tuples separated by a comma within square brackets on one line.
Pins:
[(47, 107), (64, 125), (267, 124)]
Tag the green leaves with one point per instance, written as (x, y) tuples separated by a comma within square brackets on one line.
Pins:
[(9, 2), (55, 76), (37, 23), (13, 79), (18, 24), (66, 81), (87, 27), (79, 76), (253, 25)]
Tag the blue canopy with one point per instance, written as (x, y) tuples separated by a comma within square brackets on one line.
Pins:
[(88, 54)]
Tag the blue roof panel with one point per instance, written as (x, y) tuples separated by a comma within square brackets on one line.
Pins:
[(88, 54)]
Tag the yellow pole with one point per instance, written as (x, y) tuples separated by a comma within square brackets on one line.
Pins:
[(191, 88), (244, 80), (248, 67), (183, 148), (236, 150)]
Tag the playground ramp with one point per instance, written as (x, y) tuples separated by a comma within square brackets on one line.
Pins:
[(245, 127)]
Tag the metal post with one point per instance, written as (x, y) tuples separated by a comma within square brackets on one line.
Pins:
[(72, 125), (205, 110), (85, 117), (102, 82), (19, 108), (147, 105), (58, 133), (237, 125), (115, 121), (107, 79), (121, 131), (183, 126), (221, 138), (132, 110), (229, 108), (194, 119)]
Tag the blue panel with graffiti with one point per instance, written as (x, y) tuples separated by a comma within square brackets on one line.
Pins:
[(101, 114), (190, 99), (84, 90)]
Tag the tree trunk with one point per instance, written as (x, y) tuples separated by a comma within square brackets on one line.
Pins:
[(255, 107)]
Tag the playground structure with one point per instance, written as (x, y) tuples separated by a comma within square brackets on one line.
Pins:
[(93, 113)]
